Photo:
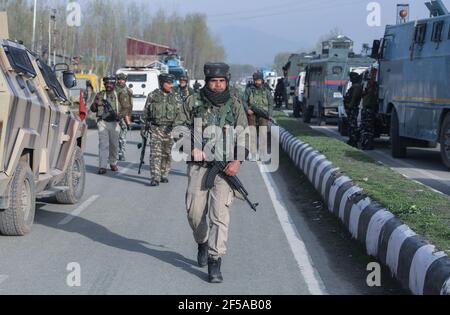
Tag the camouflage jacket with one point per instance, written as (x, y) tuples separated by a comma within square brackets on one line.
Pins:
[(259, 97), (353, 97), (98, 106), (229, 115), (161, 109), (184, 93), (125, 96)]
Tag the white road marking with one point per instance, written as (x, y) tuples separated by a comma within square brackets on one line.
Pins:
[(79, 210), (125, 169), (311, 276)]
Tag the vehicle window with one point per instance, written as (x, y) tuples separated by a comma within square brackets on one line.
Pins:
[(51, 80), (137, 78), (337, 70), (420, 33), (19, 60), (436, 35)]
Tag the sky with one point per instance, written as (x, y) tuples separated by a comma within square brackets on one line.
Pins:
[(253, 31)]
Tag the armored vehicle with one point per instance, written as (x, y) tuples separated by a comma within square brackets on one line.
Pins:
[(414, 95), (41, 140)]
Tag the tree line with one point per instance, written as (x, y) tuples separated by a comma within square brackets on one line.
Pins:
[(100, 41)]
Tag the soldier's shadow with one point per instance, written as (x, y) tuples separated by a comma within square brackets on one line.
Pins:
[(101, 234)]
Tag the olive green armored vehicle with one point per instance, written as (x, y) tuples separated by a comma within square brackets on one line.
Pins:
[(41, 140)]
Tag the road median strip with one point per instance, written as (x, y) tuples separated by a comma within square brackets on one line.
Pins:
[(383, 210)]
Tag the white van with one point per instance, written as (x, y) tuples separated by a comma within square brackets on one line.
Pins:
[(142, 81)]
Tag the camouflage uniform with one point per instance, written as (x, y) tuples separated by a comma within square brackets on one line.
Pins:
[(159, 116), (126, 108), (261, 98), (368, 116), (108, 131), (351, 101), (200, 202), (184, 93)]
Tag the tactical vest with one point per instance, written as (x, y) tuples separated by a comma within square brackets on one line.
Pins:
[(112, 98), (163, 108), (258, 98), (211, 115)]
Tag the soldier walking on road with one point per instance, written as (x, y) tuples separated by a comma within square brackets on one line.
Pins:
[(183, 89), (160, 112), (259, 96), (351, 103), (369, 110), (106, 107), (126, 108), (216, 106)]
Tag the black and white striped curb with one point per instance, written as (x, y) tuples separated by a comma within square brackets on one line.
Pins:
[(411, 259)]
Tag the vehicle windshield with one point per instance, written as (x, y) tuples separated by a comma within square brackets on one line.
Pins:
[(137, 77)]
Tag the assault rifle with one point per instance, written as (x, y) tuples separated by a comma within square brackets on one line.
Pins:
[(261, 113)]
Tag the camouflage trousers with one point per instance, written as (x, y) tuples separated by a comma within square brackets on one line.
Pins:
[(368, 116), (258, 135), (161, 144), (123, 139), (353, 130), (215, 204)]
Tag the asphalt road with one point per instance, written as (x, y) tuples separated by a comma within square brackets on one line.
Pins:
[(127, 238), (421, 164)]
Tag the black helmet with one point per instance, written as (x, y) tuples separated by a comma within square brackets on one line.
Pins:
[(109, 79), (122, 76), (354, 77), (258, 76), (166, 77), (217, 70)]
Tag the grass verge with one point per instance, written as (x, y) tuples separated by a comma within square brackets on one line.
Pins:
[(422, 209)]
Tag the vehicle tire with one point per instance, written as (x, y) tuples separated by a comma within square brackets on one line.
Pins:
[(307, 114), (297, 108), (18, 219), (74, 178), (398, 148), (343, 127), (444, 140)]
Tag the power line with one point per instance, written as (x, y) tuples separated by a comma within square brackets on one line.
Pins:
[(287, 12)]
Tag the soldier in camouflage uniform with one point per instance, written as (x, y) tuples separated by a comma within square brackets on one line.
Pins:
[(183, 90), (260, 96), (369, 111), (126, 108), (108, 125), (216, 105), (351, 103), (160, 112)]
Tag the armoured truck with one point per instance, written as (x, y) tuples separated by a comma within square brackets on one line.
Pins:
[(327, 77), (296, 64), (41, 140), (414, 80), (142, 81)]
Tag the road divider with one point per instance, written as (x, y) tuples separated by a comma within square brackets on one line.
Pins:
[(419, 265)]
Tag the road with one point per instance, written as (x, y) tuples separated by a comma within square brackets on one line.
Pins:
[(421, 164), (127, 238)]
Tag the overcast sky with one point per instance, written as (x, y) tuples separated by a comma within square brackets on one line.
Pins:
[(289, 24)]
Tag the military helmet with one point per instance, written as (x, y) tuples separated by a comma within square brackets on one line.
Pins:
[(184, 76), (122, 76), (258, 76), (217, 70), (354, 76), (109, 79), (166, 77)]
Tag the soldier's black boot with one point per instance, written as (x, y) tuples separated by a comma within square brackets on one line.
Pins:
[(164, 180), (202, 256), (215, 276), (154, 183)]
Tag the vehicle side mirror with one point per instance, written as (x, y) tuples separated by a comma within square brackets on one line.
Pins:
[(376, 49), (69, 79)]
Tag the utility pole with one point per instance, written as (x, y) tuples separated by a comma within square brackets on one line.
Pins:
[(33, 41)]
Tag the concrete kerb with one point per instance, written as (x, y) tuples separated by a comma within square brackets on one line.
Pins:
[(411, 259)]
